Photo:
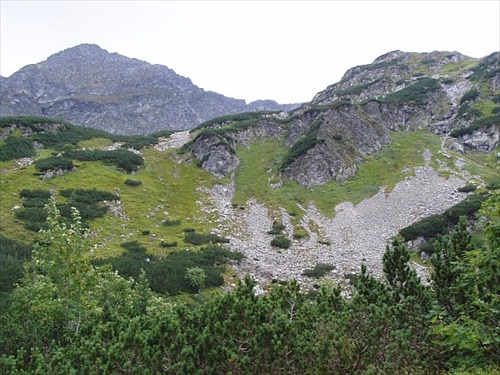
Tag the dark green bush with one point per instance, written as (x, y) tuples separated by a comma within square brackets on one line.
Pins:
[(130, 182), (468, 112), (15, 148), (168, 244), (200, 238), (476, 125), (281, 242), (467, 188), (13, 254), (435, 225), (88, 196), (172, 223), (319, 270), (416, 93), (470, 95), (122, 159), (306, 142), (36, 193), (333, 105), (167, 275), (134, 247), (277, 228), (53, 163), (495, 110), (427, 228)]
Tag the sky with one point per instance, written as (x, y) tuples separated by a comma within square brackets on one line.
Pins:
[(281, 50)]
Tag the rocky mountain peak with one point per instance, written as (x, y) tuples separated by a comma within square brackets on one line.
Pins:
[(86, 85)]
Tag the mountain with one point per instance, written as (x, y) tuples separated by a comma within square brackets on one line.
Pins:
[(441, 93), (86, 85), (407, 137)]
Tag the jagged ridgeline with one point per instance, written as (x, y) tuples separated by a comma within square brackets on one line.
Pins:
[(88, 86)]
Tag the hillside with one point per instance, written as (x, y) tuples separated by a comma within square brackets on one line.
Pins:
[(328, 183), (88, 86)]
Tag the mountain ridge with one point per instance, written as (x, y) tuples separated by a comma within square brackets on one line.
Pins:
[(86, 85)]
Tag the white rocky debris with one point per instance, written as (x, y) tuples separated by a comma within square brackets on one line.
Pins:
[(355, 234), (174, 141)]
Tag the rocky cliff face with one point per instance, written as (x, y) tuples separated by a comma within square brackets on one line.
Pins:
[(440, 92), (88, 86)]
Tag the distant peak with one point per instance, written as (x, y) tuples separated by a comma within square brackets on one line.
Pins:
[(389, 56), (82, 50)]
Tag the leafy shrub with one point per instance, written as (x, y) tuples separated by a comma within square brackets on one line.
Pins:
[(167, 275), (306, 142), (35, 194), (467, 188), (88, 211), (334, 105), (277, 228), (476, 125), (414, 93), (486, 68), (53, 163), (299, 233), (355, 89), (86, 201), (281, 242), (88, 196), (200, 238), (134, 247), (130, 182), (171, 223), (13, 254), (429, 227), (28, 121), (468, 112), (243, 117), (495, 110), (319, 270), (168, 244), (380, 65), (435, 225), (15, 148), (33, 217), (145, 232), (470, 95), (122, 159)]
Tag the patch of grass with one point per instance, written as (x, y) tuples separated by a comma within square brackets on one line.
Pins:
[(94, 143), (459, 67), (261, 161)]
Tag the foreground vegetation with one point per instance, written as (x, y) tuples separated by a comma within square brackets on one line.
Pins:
[(70, 316)]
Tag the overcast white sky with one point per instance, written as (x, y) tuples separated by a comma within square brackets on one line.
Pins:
[(282, 50)]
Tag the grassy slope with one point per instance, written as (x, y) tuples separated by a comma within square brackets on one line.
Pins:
[(260, 162), (172, 188), (166, 187)]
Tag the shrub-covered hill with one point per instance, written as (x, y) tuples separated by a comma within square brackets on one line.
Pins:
[(89, 320)]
